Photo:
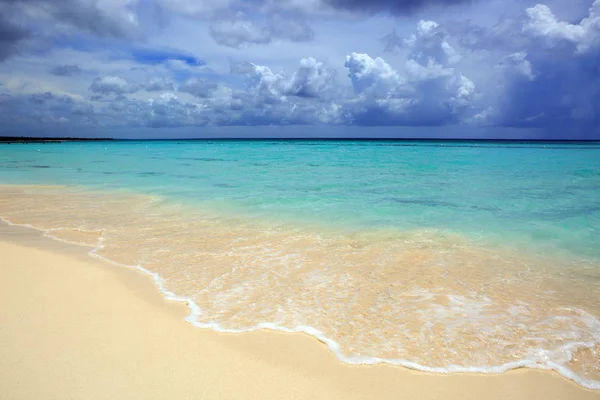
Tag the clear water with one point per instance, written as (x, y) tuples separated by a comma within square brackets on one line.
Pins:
[(540, 194), (488, 253)]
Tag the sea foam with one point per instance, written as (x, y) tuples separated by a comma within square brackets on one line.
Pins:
[(366, 300)]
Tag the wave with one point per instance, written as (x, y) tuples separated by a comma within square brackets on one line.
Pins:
[(568, 340)]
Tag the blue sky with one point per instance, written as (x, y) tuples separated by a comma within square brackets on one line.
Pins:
[(358, 68)]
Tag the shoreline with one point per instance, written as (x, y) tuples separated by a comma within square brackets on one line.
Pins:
[(57, 347), (193, 310)]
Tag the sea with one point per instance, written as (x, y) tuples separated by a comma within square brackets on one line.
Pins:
[(440, 256)]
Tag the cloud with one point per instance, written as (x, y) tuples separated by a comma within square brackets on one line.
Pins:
[(310, 95), (420, 95), (158, 84), (10, 35), (101, 18), (544, 24), (45, 110), (266, 86), (113, 85), (516, 66), (530, 67), (65, 70), (240, 30), (312, 79), (198, 87), (292, 29), (503, 35), (372, 75), (555, 85), (41, 98), (430, 43), (395, 7), (426, 90)]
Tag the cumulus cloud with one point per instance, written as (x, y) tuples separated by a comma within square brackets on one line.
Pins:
[(544, 24), (65, 70), (309, 95), (427, 94), (430, 43), (424, 90), (113, 85), (533, 70), (312, 79), (266, 85), (372, 75)]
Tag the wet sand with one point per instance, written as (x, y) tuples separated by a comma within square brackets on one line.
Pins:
[(78, 328), (425, 299)]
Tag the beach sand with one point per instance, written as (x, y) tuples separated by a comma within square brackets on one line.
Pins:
[(73, 327)]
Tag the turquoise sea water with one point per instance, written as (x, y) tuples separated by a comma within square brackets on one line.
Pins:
[(538, 194), (439, 256)]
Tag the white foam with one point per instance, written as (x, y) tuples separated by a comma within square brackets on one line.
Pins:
[(542, 361)]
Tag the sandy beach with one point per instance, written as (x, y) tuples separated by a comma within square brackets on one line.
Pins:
[(74, 327)]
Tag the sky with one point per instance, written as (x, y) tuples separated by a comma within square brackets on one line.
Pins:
[(300, 68)]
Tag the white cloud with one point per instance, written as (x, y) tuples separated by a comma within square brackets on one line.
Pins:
[(312, 79), (429, 43), (424, 89), (585, 35), (113, 85), (372, 75)]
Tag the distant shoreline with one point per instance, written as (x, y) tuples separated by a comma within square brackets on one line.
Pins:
[(30, 139)]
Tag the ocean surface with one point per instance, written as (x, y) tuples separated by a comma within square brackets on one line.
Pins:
[(438, 256)]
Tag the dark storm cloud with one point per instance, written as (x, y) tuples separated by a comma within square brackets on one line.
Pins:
[(10, 36), (396, 7), (88, 17), (565, 91), (85, 15), (555, 82)]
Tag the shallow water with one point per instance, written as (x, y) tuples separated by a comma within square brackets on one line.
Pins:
[(439, 258)]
